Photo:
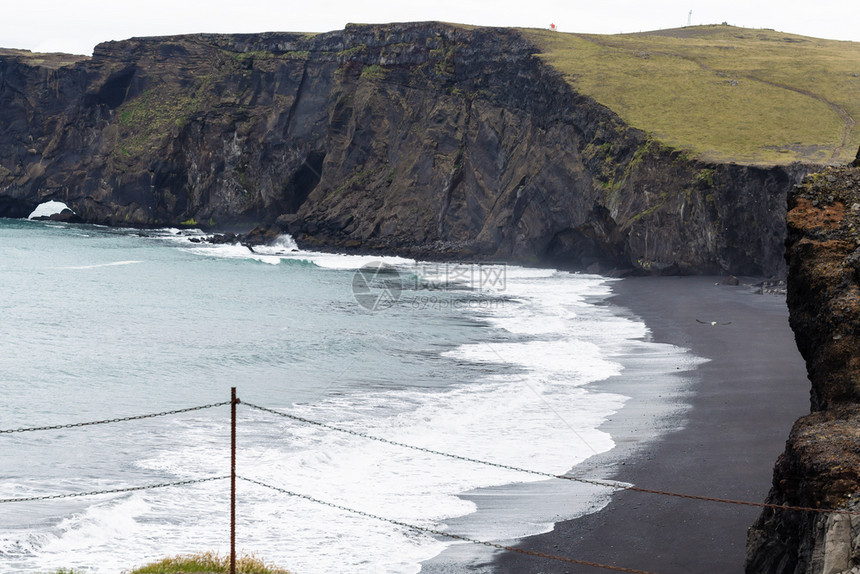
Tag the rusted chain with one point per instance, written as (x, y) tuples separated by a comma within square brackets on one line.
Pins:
[(112, 490), (594, 482), (742, 502), (431, 451), (446, 534), (117, 420)]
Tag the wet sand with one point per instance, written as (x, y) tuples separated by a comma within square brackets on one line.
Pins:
[(742, 403)]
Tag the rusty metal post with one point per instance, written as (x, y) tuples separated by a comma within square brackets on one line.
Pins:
[(233, 402)]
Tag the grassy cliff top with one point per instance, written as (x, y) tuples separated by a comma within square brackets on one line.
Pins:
[(50, 60), (724, 93)]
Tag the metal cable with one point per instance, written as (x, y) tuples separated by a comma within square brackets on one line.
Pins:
[(113, 490), (609, 484), (445, 534), (117, 420), (595, 482)]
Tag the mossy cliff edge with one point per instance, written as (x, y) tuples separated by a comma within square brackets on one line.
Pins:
[(424, 139), (821, 464)]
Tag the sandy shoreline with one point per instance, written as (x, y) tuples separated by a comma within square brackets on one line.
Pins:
[(742, 404)]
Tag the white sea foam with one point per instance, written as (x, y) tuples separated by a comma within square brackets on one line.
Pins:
[(283, 248), (540, 416), (100, 265), (232, 251), (525, 400), (347, 262), (100, 529), (551, 354), (282, 245)]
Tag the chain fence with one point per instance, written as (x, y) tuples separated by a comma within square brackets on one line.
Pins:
[(431, 531), (435, 532), (117, 420), (113, 490), (595, 482)]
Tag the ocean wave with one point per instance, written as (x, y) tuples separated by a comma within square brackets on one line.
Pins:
[(511, 379), (100, 265)]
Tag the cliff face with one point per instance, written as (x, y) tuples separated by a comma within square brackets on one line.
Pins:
[(821, 464), (423, 139)]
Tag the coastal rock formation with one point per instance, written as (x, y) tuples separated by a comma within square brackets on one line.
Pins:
[(425, 139), (821, 464)]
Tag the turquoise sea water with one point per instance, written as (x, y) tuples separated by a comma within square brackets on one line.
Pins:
[(100, 323)]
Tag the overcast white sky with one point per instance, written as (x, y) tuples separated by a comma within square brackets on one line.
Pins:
[(77, 25)]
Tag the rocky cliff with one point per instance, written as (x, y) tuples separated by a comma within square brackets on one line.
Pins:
[(821, 464), (422, 139)]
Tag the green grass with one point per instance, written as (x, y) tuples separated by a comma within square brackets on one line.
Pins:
[(146, 121), (373, 72), (252, 55), (721, 92), (209, 563), (157, 112)]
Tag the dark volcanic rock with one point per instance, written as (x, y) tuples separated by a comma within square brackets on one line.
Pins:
[(821, 464), (65, 216), (823, 294), (260, 236), (16, 208), (228, 238), (424, 139)]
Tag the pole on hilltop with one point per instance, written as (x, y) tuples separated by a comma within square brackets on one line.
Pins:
[(233, 402)]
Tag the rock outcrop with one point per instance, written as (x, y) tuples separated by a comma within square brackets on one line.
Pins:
[(422, 139), (821, 464)]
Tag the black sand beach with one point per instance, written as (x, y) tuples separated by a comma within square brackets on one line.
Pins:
[(743, 403)]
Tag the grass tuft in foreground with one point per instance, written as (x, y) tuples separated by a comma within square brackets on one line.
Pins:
[(209, 563)]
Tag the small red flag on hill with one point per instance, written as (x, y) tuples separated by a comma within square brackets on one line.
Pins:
[(552, 27)]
